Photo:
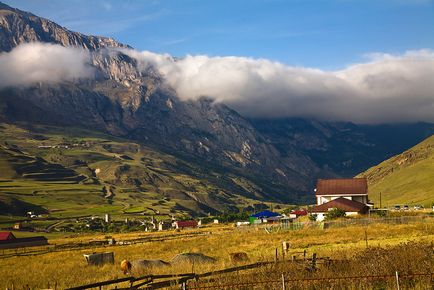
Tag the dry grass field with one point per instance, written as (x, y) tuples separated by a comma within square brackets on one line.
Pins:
[(68, 268)]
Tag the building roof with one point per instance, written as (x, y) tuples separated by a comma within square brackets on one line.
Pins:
[(299, 212), (341, 203), (186, 224), (342, 186), (264, 214), (6, 236)]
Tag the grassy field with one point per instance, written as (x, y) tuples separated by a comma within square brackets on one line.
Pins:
[(68, 268), (407, 178)]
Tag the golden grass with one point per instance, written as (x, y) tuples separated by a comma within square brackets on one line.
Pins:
[(68, 268)]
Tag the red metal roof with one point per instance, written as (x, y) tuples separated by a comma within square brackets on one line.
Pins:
[(342, 186), (6, 236), (187, 224), (299, 212), (342, 203)]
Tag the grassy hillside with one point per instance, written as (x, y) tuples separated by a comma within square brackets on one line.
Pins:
[(407, 178), (73, 172)]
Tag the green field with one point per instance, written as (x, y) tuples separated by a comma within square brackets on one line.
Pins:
[(69, 172), (407, 178)]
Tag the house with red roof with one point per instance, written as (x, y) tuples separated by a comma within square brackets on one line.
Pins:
[(348, 194), (9, 241)]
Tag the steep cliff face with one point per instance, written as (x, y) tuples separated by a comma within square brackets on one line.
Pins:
[(127, 101)]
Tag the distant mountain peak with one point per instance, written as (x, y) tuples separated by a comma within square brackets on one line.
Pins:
[(22, 27)]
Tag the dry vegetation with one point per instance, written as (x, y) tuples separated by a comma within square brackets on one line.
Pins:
[(68, 268)]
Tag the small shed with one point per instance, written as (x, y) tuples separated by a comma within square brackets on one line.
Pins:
[(8, 241), (100, 258), (299, 212), (186, 224), (6, 236)]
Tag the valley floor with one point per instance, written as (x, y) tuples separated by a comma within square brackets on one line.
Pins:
[(68, 268)]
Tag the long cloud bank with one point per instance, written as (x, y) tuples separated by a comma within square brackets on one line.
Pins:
[(35, 62), (387, 88)]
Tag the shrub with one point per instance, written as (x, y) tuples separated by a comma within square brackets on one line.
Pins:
[(335, 213), (312, 217)]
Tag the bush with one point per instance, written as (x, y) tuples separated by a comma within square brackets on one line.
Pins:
[(312, 217), (335, 213)]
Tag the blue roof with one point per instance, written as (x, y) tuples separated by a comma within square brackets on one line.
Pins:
[(265, 214)]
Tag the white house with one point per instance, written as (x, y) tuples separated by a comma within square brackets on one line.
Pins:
[(355, 189), (348, 194)]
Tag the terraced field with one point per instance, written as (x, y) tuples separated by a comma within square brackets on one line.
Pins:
[(66, 172)]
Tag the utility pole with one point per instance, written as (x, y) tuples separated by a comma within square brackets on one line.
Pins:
[(380, 201)]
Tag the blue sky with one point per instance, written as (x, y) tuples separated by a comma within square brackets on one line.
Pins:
[(322, 34)]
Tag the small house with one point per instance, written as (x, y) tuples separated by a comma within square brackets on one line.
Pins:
[(263, 217), (350, 207)]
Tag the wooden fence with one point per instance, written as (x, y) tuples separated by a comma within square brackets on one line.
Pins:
[(6, 253), (193, 281)]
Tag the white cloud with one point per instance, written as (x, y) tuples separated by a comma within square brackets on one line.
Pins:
[(387, 88), (35, 62)]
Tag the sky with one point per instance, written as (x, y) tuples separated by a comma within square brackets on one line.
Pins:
[(327, 35)]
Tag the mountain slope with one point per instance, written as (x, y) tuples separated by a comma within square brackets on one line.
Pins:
[(71, 171), (343, 148), (407, 178), (126, 101)]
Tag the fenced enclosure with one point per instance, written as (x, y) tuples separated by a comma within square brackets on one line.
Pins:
[(232, 278), (291, 226)]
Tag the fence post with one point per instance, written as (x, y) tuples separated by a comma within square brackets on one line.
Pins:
[(397, 280), (314, 261), (366, 237), (283, 282)]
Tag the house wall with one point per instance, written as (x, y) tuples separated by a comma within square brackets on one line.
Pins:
[(321, 215)]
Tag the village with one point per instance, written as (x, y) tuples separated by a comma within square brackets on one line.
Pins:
[(156, 252), (336, 199)]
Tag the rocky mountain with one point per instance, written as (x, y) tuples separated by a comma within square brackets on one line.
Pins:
[(278, 159), (342, 148), (125, 101)]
